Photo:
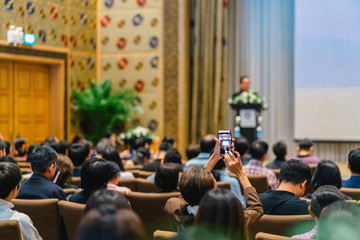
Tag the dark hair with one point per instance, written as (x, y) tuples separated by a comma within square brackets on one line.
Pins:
[(172, 156), (354, 160), (305, 144), (241, 145), (7, 159), (63, 146), (114, 170), (169, 139), (167, 176), (109, 133), (103, 197), (7, 147), (139, 142), (103, 145), (192, 151), (78, 153), (113, 156), (65, 167), (243, 77), (49, 140), (115, 224), (2, 146), (165, 146), (30, 149), (95, 174), (295, 171), (140, 156), (280, 150), (326, 173), (153, 124), (18, 144), (10, 177), (41, 158), (324, 196), (258, 149), (220, 209), (77, 138), (207, 143), (194, 183)]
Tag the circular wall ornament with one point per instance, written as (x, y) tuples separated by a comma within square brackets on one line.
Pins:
[(155, 82), (122, 82), (109, 3), (122, 63), (90, 63), (30, 8), (9, 5), (137, 19), (105, 40), (138, 66), (64, 40), (141, 3), (139, 85), (105, 21), (154, 62), (121, 43), (42, 35), (93, 43), (73, 40), (83, 18), (154, 22), (137, 39), (106, 66), (72, 60), (154, 42), (54, 13), (121, 23)]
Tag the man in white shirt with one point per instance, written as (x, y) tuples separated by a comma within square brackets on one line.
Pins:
[(10, 181)]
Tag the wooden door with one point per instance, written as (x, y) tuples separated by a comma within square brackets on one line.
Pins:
[(6, 99)]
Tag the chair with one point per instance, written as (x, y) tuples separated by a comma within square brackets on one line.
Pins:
[(44, 213), (23, 164), (354, 193), (130, 183), (277, 172), (312, 168), (10, 230), (25, 170), (141, 174), (280, 224), (71, 214), (163, 235), (223, 185), (69, 191), (146, 186), (20, 159), (75, 181), (267, 236), (259, 182), (136, 167)]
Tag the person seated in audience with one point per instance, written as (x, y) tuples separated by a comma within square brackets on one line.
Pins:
[(113, 156), (153, 166), (142, 157), (104, 197), (50, 140), (63, 147), (112, 138), (207, 144), (110, 223), (30, 149), (354, 166), (171, 140), (40, 186), (102, 145), (114, 179), (10, 181), (20, 147), (78, 138), (241, 145), (280, 151), (294, 177), (65, 170), (305, 150), (95, 174), (8, 159), (78, 153), (340, 221), (322, 197), (167, 177), (192, 151), (171, 156), (258, 151), (2, 148)]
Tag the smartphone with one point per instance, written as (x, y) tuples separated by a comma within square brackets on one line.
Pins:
[(225, 139)]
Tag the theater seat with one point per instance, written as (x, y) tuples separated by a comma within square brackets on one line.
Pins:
[(259, 182), (146, 186), (267, 236), (354, 193), (141, 174), (71, 214), (129, 183), (69, 191), (10, 230), (223, 185), (75, 181), (164, 235)]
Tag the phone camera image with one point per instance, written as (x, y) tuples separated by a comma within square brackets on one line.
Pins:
[(225, 139)]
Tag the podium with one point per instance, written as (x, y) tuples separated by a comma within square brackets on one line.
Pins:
[(248, 119)]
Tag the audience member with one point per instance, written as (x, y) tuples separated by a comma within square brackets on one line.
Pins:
[(8, 159), (65, 169), (280, 151), (78, 153), (141, 157), (113, 156), (192, 151), (171, 156), (258, 151), (63, 147), (2, 148), (20, 147), (294, 176), (305, 150), (354, 166), (241, 145), (40, 186), (112, 138), (207, 143), (163, 148), (10, 181), (102, 145), (104, 197), (171, 140), (114, 179), (166, 177), (78, 138), (30, 149)]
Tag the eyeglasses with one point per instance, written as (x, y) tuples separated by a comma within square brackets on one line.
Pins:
[(22, 180)]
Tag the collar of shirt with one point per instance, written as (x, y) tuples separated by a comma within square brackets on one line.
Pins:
[(254, 162), (6, 203)]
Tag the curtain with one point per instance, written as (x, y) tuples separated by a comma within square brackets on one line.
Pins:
[(208, 70)]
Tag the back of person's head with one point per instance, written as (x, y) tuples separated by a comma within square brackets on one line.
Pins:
[(49, 140), (141, 155), (167, 176), (19, 144), (78, 153), (194, 183), (65, 167), (8, 159), (222, 211), (305, 144), (197, 232), (30, 149), (295, 172), (169, 139), (103, 145), (104, 197), (108, 134), (323, 197), (140, 142), (173, 156), (41, 158), (113, 155), (10, 177), (258, 149), (2, 146), (241, 145), (165, 146), (207, 143), (340, 221), (110, 224), (95, 174), (280, 150), (78, 138), (63, 147), (192, 151), (326, 173), (354, 160), (7, 147), (114, 170)]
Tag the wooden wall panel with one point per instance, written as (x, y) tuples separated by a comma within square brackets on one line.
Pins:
[(6, 98)]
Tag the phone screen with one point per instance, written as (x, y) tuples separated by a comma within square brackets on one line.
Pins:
[(225, 139)]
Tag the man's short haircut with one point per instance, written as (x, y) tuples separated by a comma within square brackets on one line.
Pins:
[(104, 197), (295, 172), (172, 156), (103, 145), (194, 183), (167, 177), (354, 160), (324, 196), (241, 145), (258, 149), (10, 177), (2, 146), (63, 146), (18, 143), (280, 150), (78, 153), (243, 77), (305, 144), (95, 174), (31, 148), (41, 158), (139, 142), (169, 139), (165, 146), (7, 159), (207, 143), (192, 151)]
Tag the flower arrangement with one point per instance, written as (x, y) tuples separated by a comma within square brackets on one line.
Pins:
[(138, 132), (251, 97)]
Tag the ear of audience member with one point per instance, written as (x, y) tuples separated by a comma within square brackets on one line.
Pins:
[(104, 197), (78, 153), (326, 173), (65, 167), (7, 159), (192, 151), (167, 176)]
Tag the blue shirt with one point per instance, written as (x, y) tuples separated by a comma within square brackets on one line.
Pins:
[(200, 160), (352, 182), (76, 172)]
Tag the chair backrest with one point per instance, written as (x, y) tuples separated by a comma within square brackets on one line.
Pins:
[(69, 191), (280, 225), (164, 235), (354, 193), (223, 185), (20, 159), (268, 236), (312, 168), (136, 167), (259, 182), (71, 214), (277, 172), (10, 230), (75, 181), (146, 186), (25, 170), (23, 164), (141, 174), (130, 183), (44, 214)]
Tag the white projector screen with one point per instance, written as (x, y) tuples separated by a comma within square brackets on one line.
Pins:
[(327, 70)]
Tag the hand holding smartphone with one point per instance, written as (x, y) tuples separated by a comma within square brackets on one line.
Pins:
[(225, 140)]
